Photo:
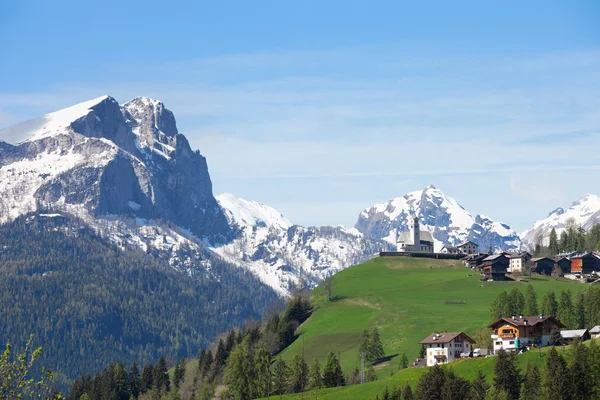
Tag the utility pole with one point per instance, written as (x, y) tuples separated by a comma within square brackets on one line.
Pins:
[(362, 367)]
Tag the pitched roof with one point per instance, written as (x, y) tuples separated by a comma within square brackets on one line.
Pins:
[(595, 330), (492, 257), (450, 248), (574, 333), (534, 260), (445, 337), (466, 243), (528, 321)]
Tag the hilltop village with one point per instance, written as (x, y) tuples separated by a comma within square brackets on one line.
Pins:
[(500, 266)]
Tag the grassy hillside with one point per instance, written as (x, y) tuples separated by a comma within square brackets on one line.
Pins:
[(405, 299)]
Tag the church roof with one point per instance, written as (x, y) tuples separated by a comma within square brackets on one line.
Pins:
[(406, 237)]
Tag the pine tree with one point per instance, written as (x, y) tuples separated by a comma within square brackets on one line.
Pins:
[(579, 376), (119, 384), (555, 381), (386, 394), (480, 387), (332, 373), (592, 306), (407, 393), (549, 304), (375, 346), (134, 380), (299, 375), (239, 373), (456, 388), (422, 351), (553, 246), (531, 388), (161, 376), (531, 306), (565, 311), (262, 362), (147, 378), (404, 361), (516, 302), (507, 376), (281, 374), (315, 378), (580, 314), (563, 245), (499, 307), (431, 383)]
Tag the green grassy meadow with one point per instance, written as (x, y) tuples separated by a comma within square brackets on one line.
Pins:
[(405, 299)]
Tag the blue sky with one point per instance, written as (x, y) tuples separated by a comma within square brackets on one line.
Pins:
[(323, 108)]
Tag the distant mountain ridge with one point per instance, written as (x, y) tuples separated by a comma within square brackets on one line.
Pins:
[(448, 222), (584, 212)]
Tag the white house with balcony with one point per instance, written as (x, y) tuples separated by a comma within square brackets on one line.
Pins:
[(510, 334), (442, 348)]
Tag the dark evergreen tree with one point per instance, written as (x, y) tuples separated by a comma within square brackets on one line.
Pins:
[(316, 378), (549, 304), (262, 363), (431, 384), (299, 374), (134, 380), (563, 244), (500, 307), (456, 388), (147, 378), (553, 246), (507, 376), (120, 382), (422, 351), (160, 376), (375, 346), (565, 310), (281, 373), (555, 382), (580, 313), (179, 373), (407, 393), (531, 306), (404, 361), (532, 383), (332, 373), (240, 373), (580, 379), (480, 387), (516, 302)]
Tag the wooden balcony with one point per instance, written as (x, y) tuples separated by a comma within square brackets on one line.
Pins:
[(507, 336)]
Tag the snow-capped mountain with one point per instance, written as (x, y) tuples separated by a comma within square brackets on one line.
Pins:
[(584, 212), (284, 255), (448, 222), (128, 172)]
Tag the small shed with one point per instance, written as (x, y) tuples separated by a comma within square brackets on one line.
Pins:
[(595, 331), (575, 334)]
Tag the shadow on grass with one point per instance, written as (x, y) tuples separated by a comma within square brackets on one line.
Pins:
[(384, 359)]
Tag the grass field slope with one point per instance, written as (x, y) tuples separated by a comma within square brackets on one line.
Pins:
[(406, 299)]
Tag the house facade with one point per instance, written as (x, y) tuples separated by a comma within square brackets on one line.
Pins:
[(495, 267), (563, 264), (442, 348), (510, 334), (468, 247), (415, 241), (583, 263), (518, 262), (542, 265)]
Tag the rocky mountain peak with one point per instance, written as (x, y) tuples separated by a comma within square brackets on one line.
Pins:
[(153, 125)]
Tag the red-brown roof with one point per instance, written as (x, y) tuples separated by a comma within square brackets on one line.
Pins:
[(527, 321), (445, 337)]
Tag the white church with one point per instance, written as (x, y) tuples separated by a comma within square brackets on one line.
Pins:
[(417, 242)]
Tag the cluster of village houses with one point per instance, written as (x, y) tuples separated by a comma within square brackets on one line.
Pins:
[(514, 334), (510, 334), (497, 266)]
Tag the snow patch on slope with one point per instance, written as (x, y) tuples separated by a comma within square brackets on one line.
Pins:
[(50, 124)]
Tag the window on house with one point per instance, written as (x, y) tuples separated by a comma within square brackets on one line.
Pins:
[(511, 342), (498, 343)]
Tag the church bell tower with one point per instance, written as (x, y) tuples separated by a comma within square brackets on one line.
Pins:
[(417, 234)]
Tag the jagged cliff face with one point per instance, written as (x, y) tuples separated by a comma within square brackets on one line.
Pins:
[(99, 158), (448, 222)]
